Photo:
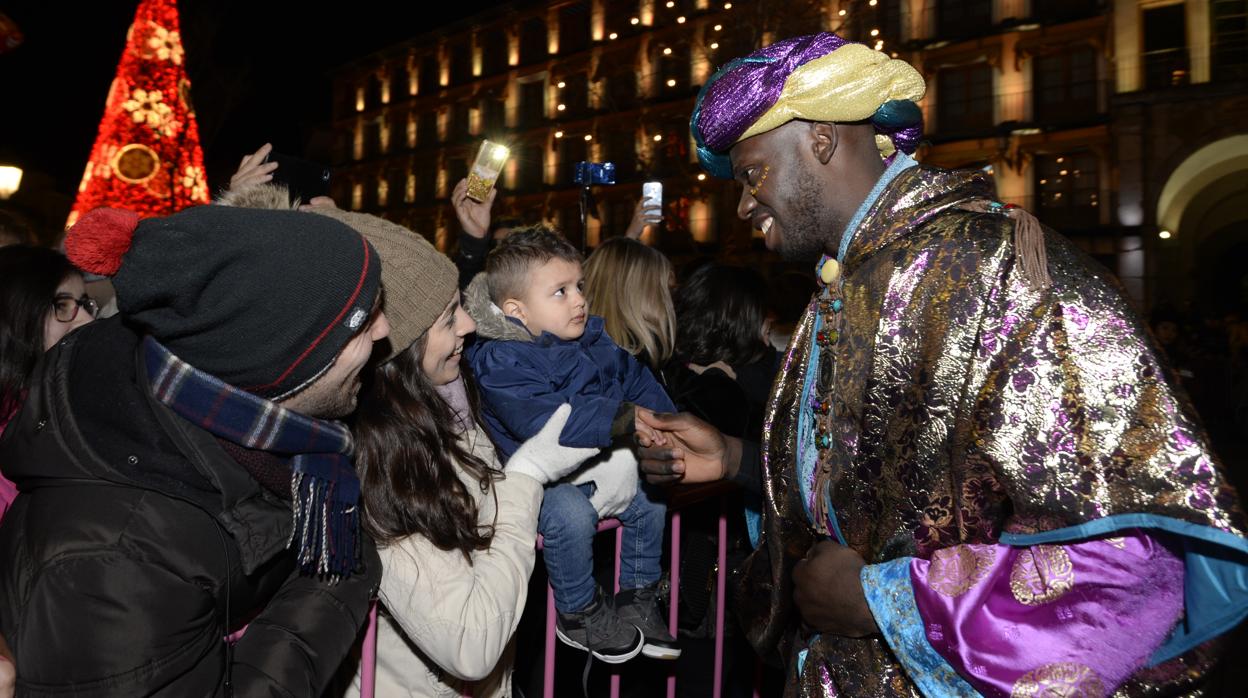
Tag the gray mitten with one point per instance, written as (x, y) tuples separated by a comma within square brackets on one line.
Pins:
[(543, 458)]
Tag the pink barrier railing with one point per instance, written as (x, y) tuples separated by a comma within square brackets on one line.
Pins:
[(368, 656)]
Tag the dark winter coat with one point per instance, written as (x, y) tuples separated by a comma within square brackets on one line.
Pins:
[(136, 536), (523, 379)]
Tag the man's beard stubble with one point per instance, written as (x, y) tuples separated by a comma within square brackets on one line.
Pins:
[(323, 401), (805, 240)]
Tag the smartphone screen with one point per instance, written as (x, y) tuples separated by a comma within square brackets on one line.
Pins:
[(652, 192), (485, 170), (304, 179)]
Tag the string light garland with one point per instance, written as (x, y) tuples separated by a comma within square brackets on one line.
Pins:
[(146, 156)]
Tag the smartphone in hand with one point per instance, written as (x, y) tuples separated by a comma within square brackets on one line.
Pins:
[(304, 179), (485, 170), (652, 192)]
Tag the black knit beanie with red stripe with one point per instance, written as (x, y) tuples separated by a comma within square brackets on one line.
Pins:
[(263, 300)]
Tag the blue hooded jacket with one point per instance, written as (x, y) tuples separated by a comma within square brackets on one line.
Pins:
[(523, 379)]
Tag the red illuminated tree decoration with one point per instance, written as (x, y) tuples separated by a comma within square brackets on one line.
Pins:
[(146, 156)]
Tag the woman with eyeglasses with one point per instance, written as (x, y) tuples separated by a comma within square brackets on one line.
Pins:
[(42, 298)]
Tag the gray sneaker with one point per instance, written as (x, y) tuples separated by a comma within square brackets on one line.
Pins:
[(599, 631), (640, 607)]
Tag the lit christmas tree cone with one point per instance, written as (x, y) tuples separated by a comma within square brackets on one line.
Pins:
[(146, 156)]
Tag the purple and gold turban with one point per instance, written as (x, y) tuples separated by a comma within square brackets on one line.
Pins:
[(820, 77)]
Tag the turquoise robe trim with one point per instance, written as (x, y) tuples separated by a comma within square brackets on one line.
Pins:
[(900, 164), (754, 518), (890, 596), (806, 456), (1215, 579)]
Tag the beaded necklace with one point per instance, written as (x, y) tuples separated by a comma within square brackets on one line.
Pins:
[(829, 305)]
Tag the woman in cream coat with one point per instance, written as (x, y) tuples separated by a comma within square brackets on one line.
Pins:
[(455, 532)]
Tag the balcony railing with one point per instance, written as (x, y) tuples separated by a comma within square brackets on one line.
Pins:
[(981, 116), (1051, 11), (1166, 68), (1230, 59), (1178, 67), (1071, 218), (961, 19)]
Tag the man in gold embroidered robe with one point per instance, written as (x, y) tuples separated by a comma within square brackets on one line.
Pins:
[(976, 476)]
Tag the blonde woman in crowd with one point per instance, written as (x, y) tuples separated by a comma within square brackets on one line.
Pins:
[(629, 285)]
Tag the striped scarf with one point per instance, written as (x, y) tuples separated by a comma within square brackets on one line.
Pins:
[(325, 490)]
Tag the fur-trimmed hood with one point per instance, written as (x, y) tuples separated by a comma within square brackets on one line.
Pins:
[(491, 322), (274, 197)]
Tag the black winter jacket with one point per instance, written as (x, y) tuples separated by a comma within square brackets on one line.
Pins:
[(135, 531)]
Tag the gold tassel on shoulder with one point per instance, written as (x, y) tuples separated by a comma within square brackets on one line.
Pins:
[(1033, 261)]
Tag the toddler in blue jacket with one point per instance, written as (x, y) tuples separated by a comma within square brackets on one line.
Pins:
[(538, 347)]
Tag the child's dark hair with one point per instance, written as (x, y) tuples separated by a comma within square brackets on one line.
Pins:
[(508, 265)]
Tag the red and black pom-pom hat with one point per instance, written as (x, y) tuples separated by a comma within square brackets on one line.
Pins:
[(263, 300)]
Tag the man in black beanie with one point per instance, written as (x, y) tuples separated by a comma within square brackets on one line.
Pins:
[(180, 477)]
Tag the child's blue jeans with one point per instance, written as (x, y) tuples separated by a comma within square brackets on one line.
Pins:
[(568, 524)]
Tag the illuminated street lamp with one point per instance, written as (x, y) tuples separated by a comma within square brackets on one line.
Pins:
[(10, 180)]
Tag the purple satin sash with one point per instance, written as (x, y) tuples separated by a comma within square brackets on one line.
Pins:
[(1081, 616)]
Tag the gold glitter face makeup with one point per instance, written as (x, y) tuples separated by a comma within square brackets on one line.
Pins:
[(763, 178)]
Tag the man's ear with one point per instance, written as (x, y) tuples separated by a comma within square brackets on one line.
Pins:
[(824, 139), (514, 308)]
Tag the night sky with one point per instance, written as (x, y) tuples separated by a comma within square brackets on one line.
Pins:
[(258, 69)]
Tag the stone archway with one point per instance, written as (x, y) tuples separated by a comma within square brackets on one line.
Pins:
[(1215, 161), (1204, 207)]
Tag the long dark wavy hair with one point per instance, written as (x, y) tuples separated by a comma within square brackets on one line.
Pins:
[(407, 454), (720, 311), (29, 277)]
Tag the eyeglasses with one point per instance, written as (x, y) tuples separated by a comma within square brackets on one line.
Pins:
[(65, 307)]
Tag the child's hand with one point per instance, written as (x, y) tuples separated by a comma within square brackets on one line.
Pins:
[(690, 450), (647, 435)]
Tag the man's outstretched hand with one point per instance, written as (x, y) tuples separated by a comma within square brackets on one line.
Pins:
[(683, 448)]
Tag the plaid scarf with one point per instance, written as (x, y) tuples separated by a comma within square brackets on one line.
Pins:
[(324, 487)]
